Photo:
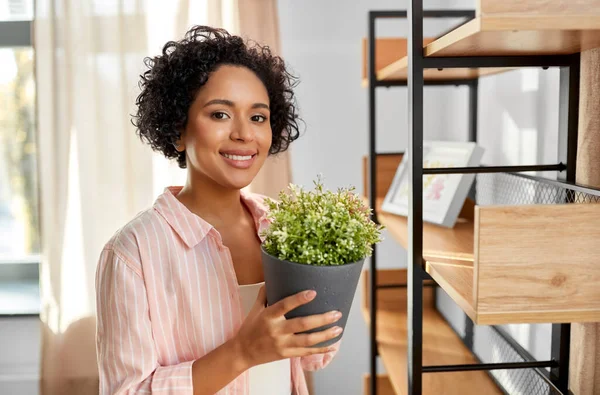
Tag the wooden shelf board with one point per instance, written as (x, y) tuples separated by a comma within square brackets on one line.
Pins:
[(512, 239), (492, 34), (441, 346), (384, 385), (457, 281), (391, 64), (525, 273), (398, 71), (454, 383), (440, 244), (525, 34)]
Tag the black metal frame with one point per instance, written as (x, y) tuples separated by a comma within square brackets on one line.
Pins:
[(557, 379)]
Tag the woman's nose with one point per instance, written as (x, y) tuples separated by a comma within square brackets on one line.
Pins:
[(242, 131)]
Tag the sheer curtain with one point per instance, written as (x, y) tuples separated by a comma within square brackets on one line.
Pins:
[(95, 175), (93, 171)]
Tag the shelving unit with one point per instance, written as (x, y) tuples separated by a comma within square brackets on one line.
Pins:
[(505, 261), (510, 242), (441, 345)]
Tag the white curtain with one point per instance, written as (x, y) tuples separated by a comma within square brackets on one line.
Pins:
[(95, 174)]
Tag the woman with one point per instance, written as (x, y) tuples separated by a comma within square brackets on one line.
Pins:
[(181, 307)]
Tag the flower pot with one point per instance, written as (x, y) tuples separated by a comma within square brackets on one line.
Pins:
[(335, 287)]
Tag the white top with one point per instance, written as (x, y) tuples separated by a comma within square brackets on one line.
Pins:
[(273, 378)]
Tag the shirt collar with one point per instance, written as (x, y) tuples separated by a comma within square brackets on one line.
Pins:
[(191, 228)]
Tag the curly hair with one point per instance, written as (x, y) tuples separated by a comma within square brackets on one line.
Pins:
[(169, 87)]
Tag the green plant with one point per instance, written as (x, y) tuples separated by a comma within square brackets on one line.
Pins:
[(320, 227)]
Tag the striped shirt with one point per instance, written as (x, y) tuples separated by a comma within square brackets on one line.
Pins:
[(166, 295)]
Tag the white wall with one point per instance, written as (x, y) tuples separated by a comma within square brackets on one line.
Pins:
[(321, 41), (20, 355)]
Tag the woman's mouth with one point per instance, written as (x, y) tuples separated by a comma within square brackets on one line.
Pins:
[(238, 161), (238, 157)]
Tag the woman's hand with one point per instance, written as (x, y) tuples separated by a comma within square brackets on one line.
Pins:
[(266, 335)]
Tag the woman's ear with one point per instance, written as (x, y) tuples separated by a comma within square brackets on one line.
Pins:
[(179, 144)]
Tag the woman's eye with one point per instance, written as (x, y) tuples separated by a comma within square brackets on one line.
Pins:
[(259, 118), (220, 115)]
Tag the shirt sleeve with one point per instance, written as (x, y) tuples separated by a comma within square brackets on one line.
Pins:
[(127, 357), (319, 361)]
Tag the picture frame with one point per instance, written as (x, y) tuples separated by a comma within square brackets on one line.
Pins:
[(443, 194)]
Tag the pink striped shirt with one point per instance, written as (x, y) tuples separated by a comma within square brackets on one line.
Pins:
[(166, 295)]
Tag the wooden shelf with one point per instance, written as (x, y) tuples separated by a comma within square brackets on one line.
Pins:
[(457, 281), (501, 28), (441, 345), (450, 245), (391, 64), (512, 34), (522, 269), (511, 264), (384, 385)]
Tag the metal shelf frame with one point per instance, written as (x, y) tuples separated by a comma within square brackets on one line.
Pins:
[(557, 378)]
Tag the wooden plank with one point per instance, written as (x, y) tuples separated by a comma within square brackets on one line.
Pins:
[(387, 296), (391, 63), (386, 169), (454, 383), (398, 71), (439, 243), (457, 281), (441, 346), (588, 146), (537, 263), (387, 51), (584, 371), (520, 35), (394, 359), (521, 273), (384, 385), (566, 8)]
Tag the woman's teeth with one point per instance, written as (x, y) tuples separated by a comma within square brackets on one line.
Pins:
[(238, 157)]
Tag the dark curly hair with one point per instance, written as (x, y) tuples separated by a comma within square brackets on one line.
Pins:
[(173, 79)]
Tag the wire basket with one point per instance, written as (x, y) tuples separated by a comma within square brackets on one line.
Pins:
[(517, 189)]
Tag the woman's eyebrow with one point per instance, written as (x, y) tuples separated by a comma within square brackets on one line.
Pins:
[(229, 103), (224, 102), (261, 105)]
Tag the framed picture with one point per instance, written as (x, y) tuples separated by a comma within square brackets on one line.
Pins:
[(443, 194)]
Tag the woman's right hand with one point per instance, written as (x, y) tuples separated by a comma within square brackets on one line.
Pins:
[(266, 335)]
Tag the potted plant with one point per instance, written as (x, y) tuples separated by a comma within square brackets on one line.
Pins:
[(317, 240)]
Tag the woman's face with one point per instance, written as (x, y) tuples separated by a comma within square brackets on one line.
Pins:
[(228, 133)]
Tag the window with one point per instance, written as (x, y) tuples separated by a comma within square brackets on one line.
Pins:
[(16, 10), (19, 222)]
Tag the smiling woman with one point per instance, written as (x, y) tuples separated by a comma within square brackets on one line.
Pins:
[(180, 299), (173, 80), (228, 128)]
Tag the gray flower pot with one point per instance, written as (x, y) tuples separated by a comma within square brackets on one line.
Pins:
[(335, 287)]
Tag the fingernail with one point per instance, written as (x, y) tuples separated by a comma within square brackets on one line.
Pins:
[(337, 330), (335, 315), (310, 294)]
